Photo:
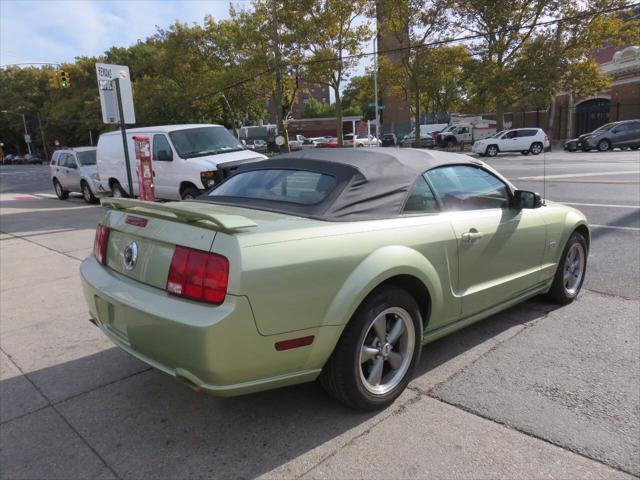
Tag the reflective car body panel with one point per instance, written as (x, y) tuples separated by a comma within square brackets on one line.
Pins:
[(292, 277)]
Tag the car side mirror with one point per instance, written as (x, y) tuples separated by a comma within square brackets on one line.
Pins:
[(164, 156), (525, 199)]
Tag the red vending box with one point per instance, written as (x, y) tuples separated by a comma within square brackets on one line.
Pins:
[(144, 168)]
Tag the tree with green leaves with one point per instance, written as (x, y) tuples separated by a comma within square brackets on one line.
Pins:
[(334, 34), (503, 27), (358, 95), (560, 56), (412, 24)]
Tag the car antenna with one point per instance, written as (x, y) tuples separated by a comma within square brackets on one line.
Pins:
[(544, 176)]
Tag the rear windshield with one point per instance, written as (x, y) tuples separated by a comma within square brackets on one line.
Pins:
[(292, 186), (197, 142), (87, 158)]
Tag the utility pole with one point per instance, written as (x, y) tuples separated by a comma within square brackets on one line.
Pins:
[(44, 143), (277, 60), (26, 134), (375, 85)]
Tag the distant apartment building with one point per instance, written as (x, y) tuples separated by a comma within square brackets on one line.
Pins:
[(306, 90)]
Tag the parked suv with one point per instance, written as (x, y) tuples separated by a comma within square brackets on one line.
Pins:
[(523, 140), (624, 134), (74, 170)]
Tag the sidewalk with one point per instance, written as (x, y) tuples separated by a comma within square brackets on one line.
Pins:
[(532, 392)]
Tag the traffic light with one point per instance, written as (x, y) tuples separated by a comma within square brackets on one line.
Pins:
[(54, 81), (65, 80)]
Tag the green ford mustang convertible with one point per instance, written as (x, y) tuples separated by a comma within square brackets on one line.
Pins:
[(338, 265)]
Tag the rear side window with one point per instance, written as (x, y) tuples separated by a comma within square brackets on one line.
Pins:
[(292, 186), (421, 199), (527, 133), (87, 158), (54, 158)]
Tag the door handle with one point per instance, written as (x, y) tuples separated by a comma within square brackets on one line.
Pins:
[(471, 236)]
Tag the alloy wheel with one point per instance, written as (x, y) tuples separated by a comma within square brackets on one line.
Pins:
[(574, 269), (386, 351)]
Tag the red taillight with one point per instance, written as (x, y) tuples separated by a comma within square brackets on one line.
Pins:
[(198, 275), (100, 244)]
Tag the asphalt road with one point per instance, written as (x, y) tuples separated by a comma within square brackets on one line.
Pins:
[(537, 391), (604, 186)]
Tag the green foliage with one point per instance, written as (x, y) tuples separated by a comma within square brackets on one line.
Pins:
[(315, 109), (224, 71)]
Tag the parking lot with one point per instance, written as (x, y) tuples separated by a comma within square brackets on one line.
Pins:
[(534, 392)]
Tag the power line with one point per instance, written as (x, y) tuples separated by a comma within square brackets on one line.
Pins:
[(433, 43)]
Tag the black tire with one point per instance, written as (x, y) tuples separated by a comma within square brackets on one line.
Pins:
[(450, 143), (117, 191), (525, 152), (536, 148), (491, 151), (61, 193), (558, 292), (604, 145), (341, 375), (87, 194), (189, 193), (635, 148)]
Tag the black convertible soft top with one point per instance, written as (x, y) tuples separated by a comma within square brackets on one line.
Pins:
[(371, 184)]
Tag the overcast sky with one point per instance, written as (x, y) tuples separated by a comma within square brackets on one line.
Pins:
[(60, 30)]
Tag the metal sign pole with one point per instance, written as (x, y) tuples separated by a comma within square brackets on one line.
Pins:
[(124, 138)]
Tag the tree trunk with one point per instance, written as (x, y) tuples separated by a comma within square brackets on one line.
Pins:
[(499, 114), (416, 113), (551, 116), (339, 117)]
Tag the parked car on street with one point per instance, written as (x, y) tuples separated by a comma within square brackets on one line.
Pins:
[(257, 145), (523, 140), (389, 140), (330, 143), (33, 159), (14, 159), (427, 132), (336, 265), (187, 159), (624, 134), (465, 132), (74, 170), (362, 140)]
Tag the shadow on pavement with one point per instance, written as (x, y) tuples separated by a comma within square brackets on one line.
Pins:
[(148, 425)]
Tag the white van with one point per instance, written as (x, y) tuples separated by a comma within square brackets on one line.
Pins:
[(187, 159)]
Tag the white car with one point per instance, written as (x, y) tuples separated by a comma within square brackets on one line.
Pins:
[(362, 140), (523, 140), (187, 159), (74, 170)]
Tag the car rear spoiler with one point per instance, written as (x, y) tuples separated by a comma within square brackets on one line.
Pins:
[(181, 211)]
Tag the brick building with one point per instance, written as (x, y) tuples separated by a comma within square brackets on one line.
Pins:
[(576, 115), (306, 91)]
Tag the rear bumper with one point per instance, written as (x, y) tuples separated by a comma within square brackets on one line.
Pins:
[(214, 348)]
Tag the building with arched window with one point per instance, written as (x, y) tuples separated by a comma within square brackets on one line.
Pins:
[(575, 116)]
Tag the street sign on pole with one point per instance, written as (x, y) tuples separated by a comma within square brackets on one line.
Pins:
[(107, 74), (116, 100)]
